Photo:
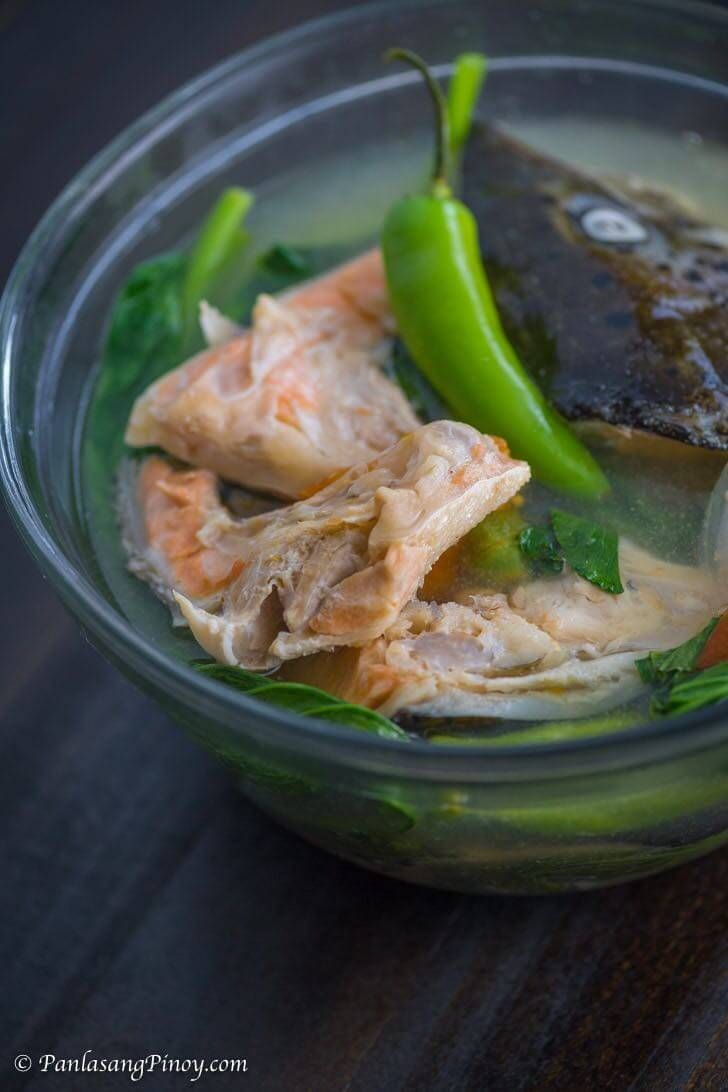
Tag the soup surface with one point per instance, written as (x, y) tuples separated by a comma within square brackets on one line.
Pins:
[(660, 487)]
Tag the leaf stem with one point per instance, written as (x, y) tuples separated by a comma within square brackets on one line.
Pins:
[(467, 79), (220, 237)]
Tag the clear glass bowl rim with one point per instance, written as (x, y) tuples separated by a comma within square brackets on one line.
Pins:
[(650, 742)]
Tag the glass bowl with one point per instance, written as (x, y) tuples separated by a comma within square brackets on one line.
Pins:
[(538, 818)]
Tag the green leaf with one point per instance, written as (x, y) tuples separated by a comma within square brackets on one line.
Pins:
[(682, 689), (541, 548), (232, 676), (145, 333), (154, 319), (357, 716), (591, 550), (251, 682), (305, 700), (693, 692), (286, 261), (660, 667)]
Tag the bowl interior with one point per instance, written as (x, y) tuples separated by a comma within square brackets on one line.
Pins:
[(327, 136)]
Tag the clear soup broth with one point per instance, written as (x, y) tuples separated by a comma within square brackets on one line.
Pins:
[(336, 205)]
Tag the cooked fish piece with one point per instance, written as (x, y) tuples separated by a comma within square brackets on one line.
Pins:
[(480, 659), (163, 511), (335, 569), (217, 329), (558, 647), (294, 400), (449, 646), (613, 296), (575, 688), (663, 604)]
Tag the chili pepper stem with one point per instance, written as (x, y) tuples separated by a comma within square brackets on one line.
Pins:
[(441, 172)]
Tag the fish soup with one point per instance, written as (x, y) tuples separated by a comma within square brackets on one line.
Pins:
[(355, 507)]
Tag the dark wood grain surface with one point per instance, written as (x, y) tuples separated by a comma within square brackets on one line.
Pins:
[(145, 908)]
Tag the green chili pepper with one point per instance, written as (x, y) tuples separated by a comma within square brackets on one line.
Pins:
[(448, 320)]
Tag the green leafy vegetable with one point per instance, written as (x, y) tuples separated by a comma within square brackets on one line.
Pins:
[(221, 239), (591, 550), (467, 80), (682, 688), (154, 319), (691, 692), (306, 700), (146, 327), (661, 667), (286, 261), (542, 550), (357, 716)]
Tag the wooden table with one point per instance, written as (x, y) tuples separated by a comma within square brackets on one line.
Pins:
[(145, 908)]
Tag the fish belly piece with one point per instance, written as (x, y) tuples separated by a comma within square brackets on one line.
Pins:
[(294, 400), (335, 569), (663, 604), (613, 296), (554, 648)]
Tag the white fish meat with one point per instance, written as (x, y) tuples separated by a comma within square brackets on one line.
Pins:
[(336, 569)]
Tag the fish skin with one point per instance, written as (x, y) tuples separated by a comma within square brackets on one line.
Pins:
[(553, 648), (632, 333), (294, 399), (335, 569)]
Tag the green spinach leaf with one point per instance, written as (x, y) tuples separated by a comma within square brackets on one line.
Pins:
[(286, 261), (660, 667), (306, 700), (357, 716), (542, 550), (691, 692), (154, 319), (591, 550), (145, 335)]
